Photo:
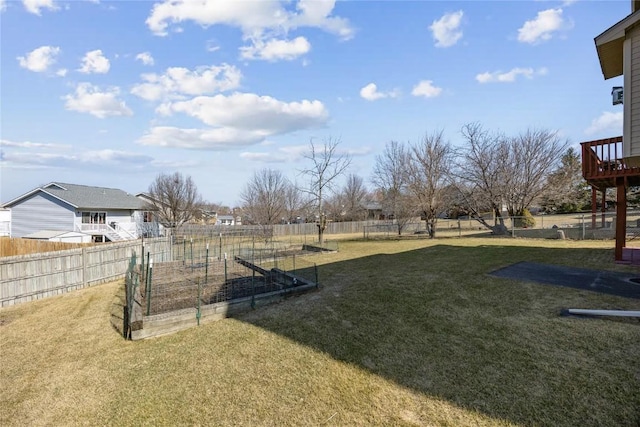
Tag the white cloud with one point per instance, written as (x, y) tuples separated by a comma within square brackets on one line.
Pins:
[(199, 139), (249, 111), (90, 99), (3, 5), (42, 155), (113, 159), (212, 46), (370, 93), (114, 156), (61, 72), (293, 153), (446, 30), (94, 62), (607, 121), (29, 144), (427, 89), (265, 23), (145, 58), (35, 6), (317, 13), (177, 82), (509, 76), (542, 27), (239, 119), (273, 49), (39, 60), (252, 17), (286, 154)]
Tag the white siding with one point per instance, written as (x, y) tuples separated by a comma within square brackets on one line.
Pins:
[(119, 216), (40, 212)]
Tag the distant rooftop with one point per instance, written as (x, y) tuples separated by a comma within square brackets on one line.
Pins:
[(86, 197)]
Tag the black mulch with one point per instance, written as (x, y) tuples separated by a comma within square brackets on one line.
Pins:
[(606, 282)]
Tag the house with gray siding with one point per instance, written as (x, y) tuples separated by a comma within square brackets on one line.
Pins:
[(107, 214)]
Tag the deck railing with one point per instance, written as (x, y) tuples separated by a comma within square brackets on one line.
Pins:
[(602, 159)]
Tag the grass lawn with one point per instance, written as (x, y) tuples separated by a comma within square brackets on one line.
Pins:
[(401, 333)]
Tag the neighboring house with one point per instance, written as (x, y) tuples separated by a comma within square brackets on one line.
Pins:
[(60, 236), (226, 220), (148, 225), (107, 214), (374, 210), (5, 222)]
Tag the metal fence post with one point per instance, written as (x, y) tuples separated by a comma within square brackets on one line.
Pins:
[(584, 231), (198, 314), (149, 280), (146, 272), (191, 250), (253, 273), (206, 266)]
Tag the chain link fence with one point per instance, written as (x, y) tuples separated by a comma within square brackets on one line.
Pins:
[(580, 226)]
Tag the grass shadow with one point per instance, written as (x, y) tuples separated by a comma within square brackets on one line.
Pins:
[(433, 320)]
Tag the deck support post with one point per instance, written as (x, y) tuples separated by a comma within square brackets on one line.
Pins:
[(621, 217), (604, 208), (594, 206)]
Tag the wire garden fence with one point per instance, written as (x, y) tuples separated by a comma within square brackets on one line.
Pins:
[(199, 271)]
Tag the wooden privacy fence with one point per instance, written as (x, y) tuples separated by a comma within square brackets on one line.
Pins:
[(29, 277)]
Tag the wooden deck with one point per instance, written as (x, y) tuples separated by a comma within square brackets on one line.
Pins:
[(603, 166)]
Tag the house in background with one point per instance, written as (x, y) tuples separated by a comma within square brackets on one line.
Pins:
[(107, 214), (147, 220), (226, 220)]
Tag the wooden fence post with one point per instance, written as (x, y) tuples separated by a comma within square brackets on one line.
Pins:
[(84, 267)]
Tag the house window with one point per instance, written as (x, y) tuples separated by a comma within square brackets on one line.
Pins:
[(147, 216), (94, 217)]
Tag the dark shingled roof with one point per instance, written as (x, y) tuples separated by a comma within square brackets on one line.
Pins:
[(87, 197)]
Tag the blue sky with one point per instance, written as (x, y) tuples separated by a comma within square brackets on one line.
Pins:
[(111, 93)]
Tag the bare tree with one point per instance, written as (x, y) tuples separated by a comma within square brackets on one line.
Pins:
[(327, 164), (534, 154), (295, 202), (496, 171), (428, 168), (354, 195), (174, 199), (566, 190), (334, 207), (263, 198), (481, 175), (390, 178)]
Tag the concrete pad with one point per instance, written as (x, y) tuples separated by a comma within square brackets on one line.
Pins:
[(606, 282)]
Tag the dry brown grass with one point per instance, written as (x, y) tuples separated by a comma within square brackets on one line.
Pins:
[(15, 246), (401, 333)]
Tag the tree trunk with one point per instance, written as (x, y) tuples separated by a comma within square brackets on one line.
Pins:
[(432, 230)]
